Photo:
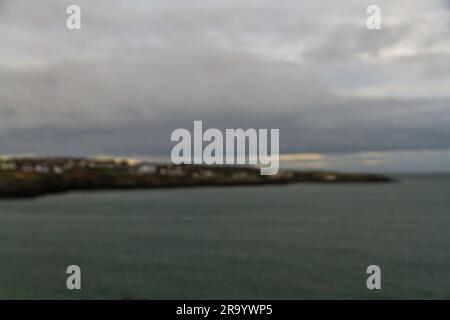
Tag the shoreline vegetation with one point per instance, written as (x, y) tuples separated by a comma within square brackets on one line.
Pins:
[(33, 177)]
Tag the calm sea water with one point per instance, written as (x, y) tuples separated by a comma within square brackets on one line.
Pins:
[(302, 241)]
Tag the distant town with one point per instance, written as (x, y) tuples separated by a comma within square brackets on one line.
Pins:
[(36, 176)]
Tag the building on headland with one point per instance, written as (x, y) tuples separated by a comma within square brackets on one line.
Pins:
[(146, 168), (59, 165)]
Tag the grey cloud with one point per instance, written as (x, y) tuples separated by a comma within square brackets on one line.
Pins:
[(349, 41), (341, 127), (140, 69), (151, 82)]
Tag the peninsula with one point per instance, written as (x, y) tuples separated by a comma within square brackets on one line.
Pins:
[(28, 177)]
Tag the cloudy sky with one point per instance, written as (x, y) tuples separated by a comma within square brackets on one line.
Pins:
[(343, 97)]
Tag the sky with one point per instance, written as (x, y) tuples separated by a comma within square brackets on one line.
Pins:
[(344, 97)]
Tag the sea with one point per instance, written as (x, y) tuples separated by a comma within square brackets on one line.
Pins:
[(304, 241)]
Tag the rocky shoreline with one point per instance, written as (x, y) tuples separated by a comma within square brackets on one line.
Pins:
[(29, 178)]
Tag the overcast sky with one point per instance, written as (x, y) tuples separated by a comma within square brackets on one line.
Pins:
[(342, 96)]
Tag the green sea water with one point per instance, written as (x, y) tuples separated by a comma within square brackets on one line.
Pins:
[(283, 242)]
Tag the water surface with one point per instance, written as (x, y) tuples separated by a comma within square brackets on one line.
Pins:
[(283, 242)]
